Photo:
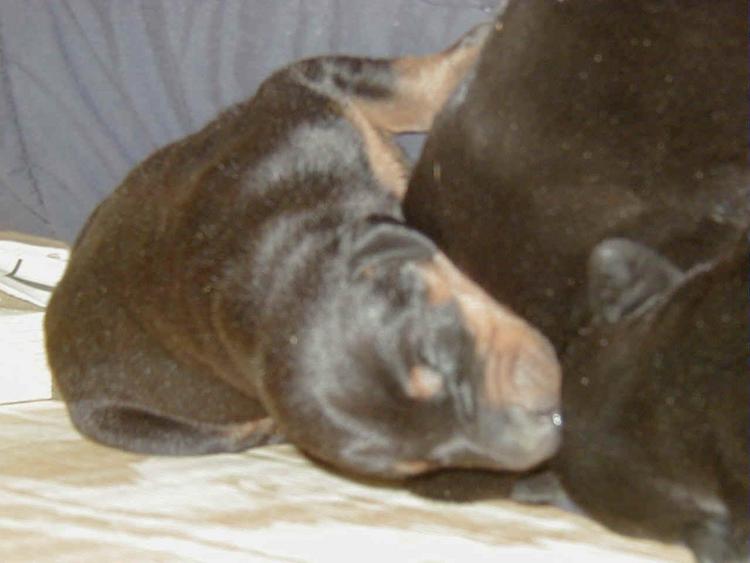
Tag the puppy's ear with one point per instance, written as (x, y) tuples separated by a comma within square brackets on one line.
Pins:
[(625, 277), (379, 241)]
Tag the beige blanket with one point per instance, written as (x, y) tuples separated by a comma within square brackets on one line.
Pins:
[(65, 499)]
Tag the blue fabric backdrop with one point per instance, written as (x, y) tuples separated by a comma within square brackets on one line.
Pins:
[(90, 87)]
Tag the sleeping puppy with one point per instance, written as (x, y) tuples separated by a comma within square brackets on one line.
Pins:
[(658, 411), (586, 120), (255, 282)]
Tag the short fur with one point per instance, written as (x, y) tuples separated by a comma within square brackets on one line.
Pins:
[(657, 413), (621, 121), (655, 404), (586, 120), (255, 282)]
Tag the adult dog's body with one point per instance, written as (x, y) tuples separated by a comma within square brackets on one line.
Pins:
[(588, 120), (657, 416), (254, 282)]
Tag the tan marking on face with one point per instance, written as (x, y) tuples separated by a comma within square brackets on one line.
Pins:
[(424, 383), (520, 365)]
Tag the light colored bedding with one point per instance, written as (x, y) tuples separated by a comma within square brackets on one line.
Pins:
[(29, 268), (24, 375), (63, 498)]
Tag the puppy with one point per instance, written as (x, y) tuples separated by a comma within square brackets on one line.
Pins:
[(657, 417), (255, 283)]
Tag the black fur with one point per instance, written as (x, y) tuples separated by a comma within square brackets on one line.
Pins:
[(657, 411), (255, 282), (586, 120), (618, 121)]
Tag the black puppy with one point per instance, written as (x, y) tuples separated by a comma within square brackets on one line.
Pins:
[(657, 414), (254, 282), (585, 120)]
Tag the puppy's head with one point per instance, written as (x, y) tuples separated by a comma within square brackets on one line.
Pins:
[(407, 366)]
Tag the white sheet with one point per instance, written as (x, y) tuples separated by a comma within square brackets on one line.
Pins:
[(65, 499)]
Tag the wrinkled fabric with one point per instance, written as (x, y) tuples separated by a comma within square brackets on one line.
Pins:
[(63, 498), (88, 88)]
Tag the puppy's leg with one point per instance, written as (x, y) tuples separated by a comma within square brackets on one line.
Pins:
[(384, 97), (135, 429), (124, 389), (422, 85)]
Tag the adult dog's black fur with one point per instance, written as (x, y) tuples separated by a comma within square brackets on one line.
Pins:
[(254, 282), (657, 408), (588, 119), (614, 120)]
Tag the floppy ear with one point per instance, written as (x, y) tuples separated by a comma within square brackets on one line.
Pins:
[(382, 240), (625, 277)]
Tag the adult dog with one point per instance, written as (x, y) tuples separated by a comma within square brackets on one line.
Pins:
[(586, 120), (591, 168)]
